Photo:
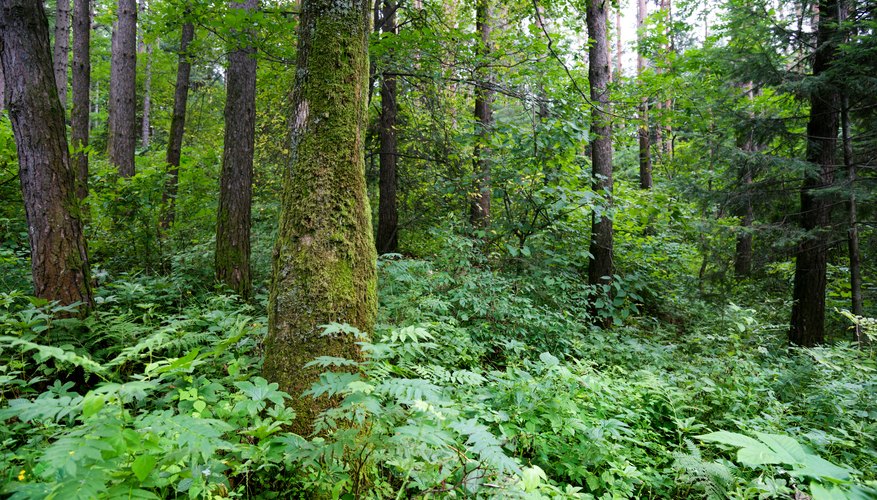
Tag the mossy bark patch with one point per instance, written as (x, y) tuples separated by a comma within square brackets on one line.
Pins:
[(324, 259)]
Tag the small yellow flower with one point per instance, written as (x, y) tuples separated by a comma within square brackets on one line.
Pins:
[(21, 475)]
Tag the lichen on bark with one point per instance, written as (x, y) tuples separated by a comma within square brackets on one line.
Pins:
[(324, 259)]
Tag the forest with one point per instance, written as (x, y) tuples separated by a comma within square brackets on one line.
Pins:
[(387, 249)]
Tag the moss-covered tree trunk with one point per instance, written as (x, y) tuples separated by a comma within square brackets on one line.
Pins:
[(57, 244), (324, 259), (236, 181)]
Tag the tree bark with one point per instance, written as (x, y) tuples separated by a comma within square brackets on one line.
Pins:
[(178, 125), (618, 51), (856, 301), (62, 49), (479, 211), (122, 121), (808, 306), (79, 115), (236, 180), (743, 251), (388, 217), (59, 260), (146, 49), (324, 259), (600, 266), (645, 154)]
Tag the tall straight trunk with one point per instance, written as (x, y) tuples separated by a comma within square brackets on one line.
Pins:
[(618, 51), (79, 115), (324, 259), (146, 49), (59, 260), (479, 211), (808, 307), (178, 125), (667, 5), (600, 266), (121, 137), (856, 301), (743, 251), (62, 49), (236, 180), (388, 217), (645, 154), (2, 90)]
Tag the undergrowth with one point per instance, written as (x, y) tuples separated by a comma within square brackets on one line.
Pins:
[(477, 383)]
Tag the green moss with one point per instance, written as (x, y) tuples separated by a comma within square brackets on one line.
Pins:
[(324, 258)]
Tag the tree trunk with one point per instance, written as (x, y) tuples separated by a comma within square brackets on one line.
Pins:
[(59, 259), (236, 180), (146, 48), (121, 137), (743, 251), (856, 303), (178, 125), (479, 211), (645, 154), (618, 51), (808, 307), (324, 259), (388, 217), (62, 49), (79, 115), (600, 266)]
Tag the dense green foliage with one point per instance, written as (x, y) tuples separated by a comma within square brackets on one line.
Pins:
[(486, 375)]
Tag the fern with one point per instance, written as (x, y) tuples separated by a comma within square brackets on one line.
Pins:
[(713, 478)]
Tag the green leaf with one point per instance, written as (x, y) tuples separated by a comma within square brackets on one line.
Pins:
[(142, 466)]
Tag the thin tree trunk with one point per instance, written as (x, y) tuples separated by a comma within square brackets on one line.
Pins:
[(618, 51), (856, 301), (808, 306), (479, 211), (645, 154), (122, 137), (600, 266), (743, 252), (324, 260), (236, 180), (62, 49), (388, 235), (59, 260), (79, 115), (178, 125), (146, 49)]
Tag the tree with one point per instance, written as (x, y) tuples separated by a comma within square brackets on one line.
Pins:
[(236, 179), (808, 306), (388, 217), (743, 250), (600, 266), (479, 212), (324, 259), (121, 137), (79, 115), (62, 48), (59, 261), (178, 125), (645, 155), (146, 48)]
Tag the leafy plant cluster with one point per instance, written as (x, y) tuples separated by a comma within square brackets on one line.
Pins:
[(479, 382)]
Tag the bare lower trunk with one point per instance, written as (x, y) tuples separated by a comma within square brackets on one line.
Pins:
[(645, 154), (479, 211), (79, 115), (178, 125), (57, 246), (236, 180), (121, 137), (600, 267), (62, 49), (388, 217), (808, 307), (856, 301)]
